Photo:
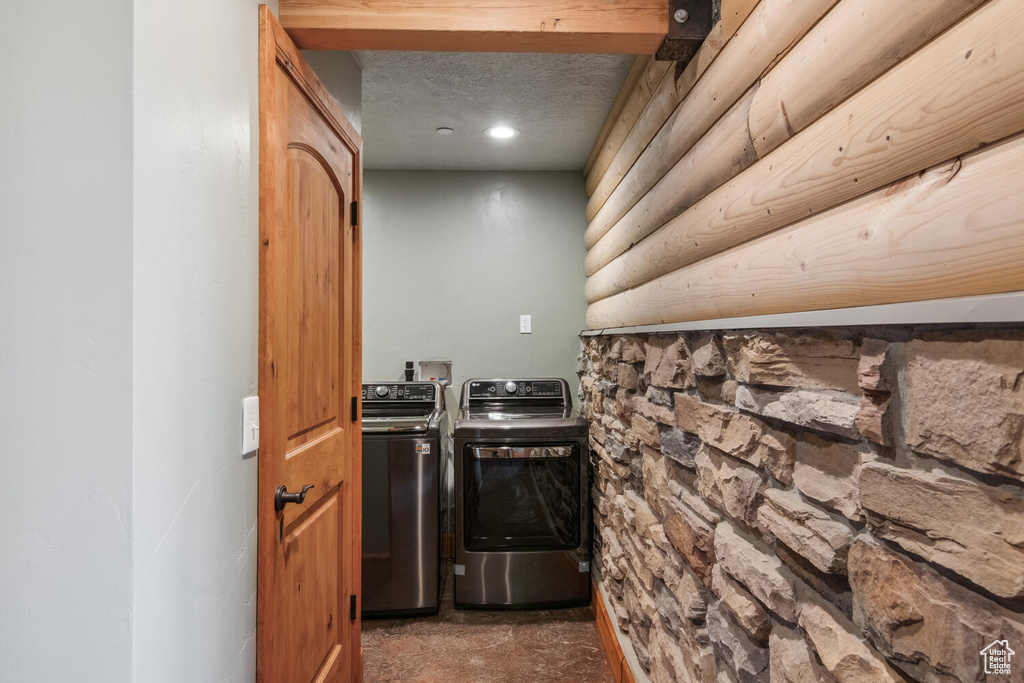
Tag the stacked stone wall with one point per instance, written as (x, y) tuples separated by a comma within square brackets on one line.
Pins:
[(810, 505)]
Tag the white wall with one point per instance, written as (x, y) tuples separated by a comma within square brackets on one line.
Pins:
[(450, 261), (196, 262), (65, 340)]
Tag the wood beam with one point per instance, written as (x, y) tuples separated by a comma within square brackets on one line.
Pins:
[(575, 26)]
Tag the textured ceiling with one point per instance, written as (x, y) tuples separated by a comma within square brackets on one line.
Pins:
[(558, 102)]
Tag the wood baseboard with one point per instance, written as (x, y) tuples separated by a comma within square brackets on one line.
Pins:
[(616, 658)]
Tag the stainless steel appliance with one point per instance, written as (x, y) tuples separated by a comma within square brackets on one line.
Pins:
[(522, 496), (404, 441)]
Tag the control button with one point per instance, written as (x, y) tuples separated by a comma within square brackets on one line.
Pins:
[(510, 387), (383, 391), (529, 389), (491, 388)]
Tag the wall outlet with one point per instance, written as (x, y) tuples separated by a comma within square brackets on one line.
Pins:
[(525, 324), (250, 424)]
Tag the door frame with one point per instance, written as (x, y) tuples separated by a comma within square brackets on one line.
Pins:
[(276, 49)]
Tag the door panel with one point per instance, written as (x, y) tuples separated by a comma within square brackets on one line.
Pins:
[(315, 602), (309, 375), (311, 362)]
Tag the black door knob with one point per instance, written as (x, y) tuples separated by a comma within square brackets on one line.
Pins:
[(282, 497)]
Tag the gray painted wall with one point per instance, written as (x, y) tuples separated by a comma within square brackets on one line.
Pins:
[(195, 310), (450, 261), (128, 287), (66, 340), (196, 267)]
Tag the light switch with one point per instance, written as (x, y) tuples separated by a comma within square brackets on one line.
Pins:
[(250, 424), (525, 324)]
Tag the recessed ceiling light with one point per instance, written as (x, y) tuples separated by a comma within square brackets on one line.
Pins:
[(444, 130), (502, 132)]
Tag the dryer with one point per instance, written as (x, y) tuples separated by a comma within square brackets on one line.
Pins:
[(522, 496)]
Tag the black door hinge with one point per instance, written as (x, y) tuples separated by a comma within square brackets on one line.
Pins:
[(355, 212), (352, 608), (355, 408)]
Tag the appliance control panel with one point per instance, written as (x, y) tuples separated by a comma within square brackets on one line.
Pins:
[(400, 391), (492, 389)]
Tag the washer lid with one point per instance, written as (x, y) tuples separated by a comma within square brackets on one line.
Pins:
[(411, 424)]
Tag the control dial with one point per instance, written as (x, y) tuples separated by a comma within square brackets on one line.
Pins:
[(382, 391), (510, 387)]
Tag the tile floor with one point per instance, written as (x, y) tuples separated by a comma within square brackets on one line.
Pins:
[(481, 647)]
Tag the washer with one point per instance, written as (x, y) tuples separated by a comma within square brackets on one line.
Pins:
[(405, 430), (522, 496)]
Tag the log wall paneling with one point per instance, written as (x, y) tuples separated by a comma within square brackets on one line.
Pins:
[(956, 230), (577, 26), (633, 97), (851, 23), (717, 157), (771, 29), (856, 41), (963, 90), (850, 47), (667, 96), (825, 78), (734, 13), (663, 102), (615, 116), (640, 90)]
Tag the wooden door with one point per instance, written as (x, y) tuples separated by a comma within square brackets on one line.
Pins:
[(309, 374)]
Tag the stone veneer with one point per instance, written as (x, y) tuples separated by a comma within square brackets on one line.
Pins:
[(810, 505)]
